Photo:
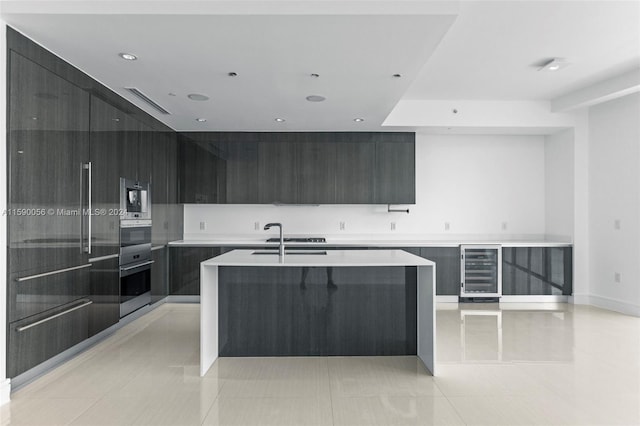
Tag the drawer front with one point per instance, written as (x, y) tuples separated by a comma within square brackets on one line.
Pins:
[(31, 295), (40, 337)]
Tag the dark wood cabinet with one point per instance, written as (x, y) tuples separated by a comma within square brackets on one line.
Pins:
[(297, 168), (108, 129), (105, 295), (242, 169), (159, 274), (202, 172), (317, 311), (48, 132), (184, 268), (36, 339), (395, 177), (277, 162), (447, 268), (355, 169), (316, 169), (537, 271)]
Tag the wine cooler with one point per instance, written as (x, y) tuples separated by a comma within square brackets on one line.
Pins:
[(481, 270)]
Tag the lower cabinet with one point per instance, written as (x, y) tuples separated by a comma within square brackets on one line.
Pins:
[(447, 261), (159, 275), (105, 295), (184, 268), (537, 271), (36, 339)]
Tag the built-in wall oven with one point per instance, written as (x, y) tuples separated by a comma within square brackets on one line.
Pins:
[(135, 200), (135, 246)]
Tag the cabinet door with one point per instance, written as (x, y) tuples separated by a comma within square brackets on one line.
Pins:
[(184, 268), (202, 173), (153, 169), (105, 295), (159, 275), (38, 338), (395, 178), (355, 168), (536, 271), (48, 144), (32, 294), (277, 180), (175, 211), (108, 129), (316, 162), (242, 169), (447, 268)]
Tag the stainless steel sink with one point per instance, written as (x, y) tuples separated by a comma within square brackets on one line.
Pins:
[(293, 252)]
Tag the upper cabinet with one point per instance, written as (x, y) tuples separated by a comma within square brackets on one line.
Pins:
[(297, 168), (48, 129)]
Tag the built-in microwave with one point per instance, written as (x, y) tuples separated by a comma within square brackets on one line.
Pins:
[(135, 199)]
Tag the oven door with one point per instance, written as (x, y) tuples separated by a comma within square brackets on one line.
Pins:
[(135, 286)]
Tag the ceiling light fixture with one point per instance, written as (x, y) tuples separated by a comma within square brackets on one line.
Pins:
[(197, 97), (280, 120), (397, 75), (201, 120), (358, 120), (554, 64), (128, 56), (233, 74), (314, 75), (315, 98)]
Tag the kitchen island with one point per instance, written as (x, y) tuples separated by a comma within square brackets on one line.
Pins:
[(317, 303)]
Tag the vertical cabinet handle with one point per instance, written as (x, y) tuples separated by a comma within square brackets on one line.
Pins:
[(87, 167), (90, 202)]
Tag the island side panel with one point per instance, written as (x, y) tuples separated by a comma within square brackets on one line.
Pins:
[(317, 311), (208, 317), (427, 317)]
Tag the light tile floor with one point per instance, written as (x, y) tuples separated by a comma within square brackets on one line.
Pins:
[(497, 365)]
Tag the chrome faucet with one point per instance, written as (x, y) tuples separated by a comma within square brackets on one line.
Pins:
[(279, 225)]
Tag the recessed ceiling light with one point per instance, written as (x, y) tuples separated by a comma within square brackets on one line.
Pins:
[(554, 64), (314, 75), (232, 74), (197, 97), (171, 94), (358, 120), (280, 120), (201, 120), (397, 75), (128, 56), (315, 98)]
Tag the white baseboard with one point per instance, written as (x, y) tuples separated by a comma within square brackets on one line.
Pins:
[(182, 299), (5, 391), (614, 305), (534, 299), (446, 299)]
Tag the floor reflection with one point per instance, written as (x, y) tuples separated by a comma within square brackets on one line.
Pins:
[(495, 333)]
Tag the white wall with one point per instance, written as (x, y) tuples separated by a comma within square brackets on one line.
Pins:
[(559, 185), (614, 195), (473, 182)]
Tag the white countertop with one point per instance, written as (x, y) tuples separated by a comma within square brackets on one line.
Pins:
[(361, 242), (331, 258)]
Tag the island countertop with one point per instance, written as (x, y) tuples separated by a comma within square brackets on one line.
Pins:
[(327, 258)]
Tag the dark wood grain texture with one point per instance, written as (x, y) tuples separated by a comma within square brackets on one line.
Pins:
[(159, 275), (317, 311), (447, 268), (105, 294)]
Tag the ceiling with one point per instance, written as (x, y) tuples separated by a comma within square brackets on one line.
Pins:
[(443, 50)]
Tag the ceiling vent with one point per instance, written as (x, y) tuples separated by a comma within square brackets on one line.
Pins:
[(147, 100)]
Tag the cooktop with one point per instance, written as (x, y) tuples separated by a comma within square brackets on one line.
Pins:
[(299, 240)]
